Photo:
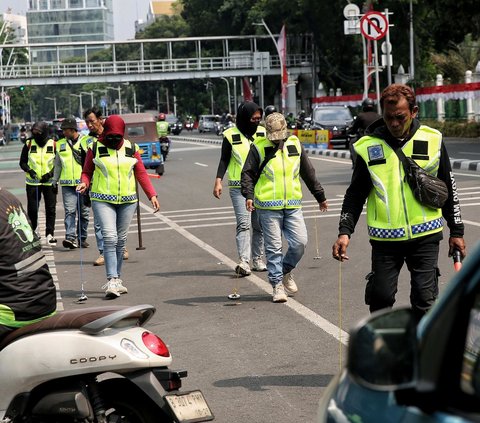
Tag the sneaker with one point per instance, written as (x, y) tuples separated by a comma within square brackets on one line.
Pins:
[(69, 243), (51, 240), (259, 265), (84, 244), (242, 268), (279, 295), (100, 261), (111, 288), (289, 284), (121, 289), (125, 254)]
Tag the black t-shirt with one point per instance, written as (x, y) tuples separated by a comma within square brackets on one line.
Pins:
[(26, 285)]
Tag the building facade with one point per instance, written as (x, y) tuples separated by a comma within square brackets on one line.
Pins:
[(64, 21)]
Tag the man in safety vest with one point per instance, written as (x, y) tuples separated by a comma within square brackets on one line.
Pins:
[(37, 159), (235, 147), (401, 230), (271, 185), (162, 126), (27, 291), (68, 170)]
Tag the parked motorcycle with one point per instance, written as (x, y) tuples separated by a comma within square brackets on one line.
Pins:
[(93, 365), (164, 147)]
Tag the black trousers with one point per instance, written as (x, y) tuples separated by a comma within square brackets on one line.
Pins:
[(387, 260), (34, 195)]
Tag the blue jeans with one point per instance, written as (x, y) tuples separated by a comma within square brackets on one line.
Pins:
[(73, 203), (98, 234), (289, 222), (114, 220), (245, 248)]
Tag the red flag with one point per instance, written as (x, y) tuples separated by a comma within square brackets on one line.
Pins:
[(247, 91), (282, 53)]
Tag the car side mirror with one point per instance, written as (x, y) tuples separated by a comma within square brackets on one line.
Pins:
[(382, 350)]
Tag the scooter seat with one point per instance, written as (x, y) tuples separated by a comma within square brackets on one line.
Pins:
[(69, 319)]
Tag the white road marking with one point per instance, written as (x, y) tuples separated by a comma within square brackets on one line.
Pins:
[(201, 164), (303, 311)]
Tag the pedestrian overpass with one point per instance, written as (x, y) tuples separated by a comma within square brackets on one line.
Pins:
[(152, 60)]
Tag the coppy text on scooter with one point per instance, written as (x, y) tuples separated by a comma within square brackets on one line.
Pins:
[(93, 365)]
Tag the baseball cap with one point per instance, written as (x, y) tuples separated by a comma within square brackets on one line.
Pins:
[(69, 123), (276, 127)]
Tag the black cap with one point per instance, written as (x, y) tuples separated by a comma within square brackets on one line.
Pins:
[(69, 123)]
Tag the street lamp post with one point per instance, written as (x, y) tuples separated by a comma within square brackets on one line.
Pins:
[(276, 48), (80, 105), (54, 99), (90, 93), (119, 98), (228, 94)]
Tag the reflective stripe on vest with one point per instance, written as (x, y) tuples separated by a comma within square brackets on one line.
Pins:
[(240, 148), (41, 160), (114, 178), (71, 169), (279, 185), (393, 213)]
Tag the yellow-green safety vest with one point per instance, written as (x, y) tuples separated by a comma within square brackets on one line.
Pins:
[(240, 148), (71, 169), (162, 128), (279, 185), (41, 160), (114, 178), (393, 213)]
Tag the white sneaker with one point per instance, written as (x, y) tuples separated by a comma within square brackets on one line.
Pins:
[(243, 268), (51, 241), (120, 288), (289, 284), (258, 265), (279, 295), (111, 288)]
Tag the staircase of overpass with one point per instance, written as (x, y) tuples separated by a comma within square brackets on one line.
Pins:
[(152, 60)]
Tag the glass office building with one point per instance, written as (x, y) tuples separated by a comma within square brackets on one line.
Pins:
[(63, 21)]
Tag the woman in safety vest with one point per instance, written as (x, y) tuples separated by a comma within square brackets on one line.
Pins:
[(110, 162)]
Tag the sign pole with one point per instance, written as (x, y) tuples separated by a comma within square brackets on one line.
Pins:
[(388, 52), (377, 76)]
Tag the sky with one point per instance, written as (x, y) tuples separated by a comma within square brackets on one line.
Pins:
[(125, 13)]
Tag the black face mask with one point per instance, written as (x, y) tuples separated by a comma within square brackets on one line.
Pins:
[(40, 139)]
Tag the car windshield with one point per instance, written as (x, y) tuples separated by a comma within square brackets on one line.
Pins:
[(209, 119), (171, 118), (331, 115)]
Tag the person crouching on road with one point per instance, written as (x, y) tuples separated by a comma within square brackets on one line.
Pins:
[(37, 159), (68, 169), (115, 164), (276, 194)]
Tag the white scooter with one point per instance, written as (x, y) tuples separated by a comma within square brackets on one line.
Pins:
[(93, 365)]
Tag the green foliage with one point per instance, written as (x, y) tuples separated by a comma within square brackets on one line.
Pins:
[(456, 128)]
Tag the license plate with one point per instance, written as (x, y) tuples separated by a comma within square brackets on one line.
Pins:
[(189, 407)]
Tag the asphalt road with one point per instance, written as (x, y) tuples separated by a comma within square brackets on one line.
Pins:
[(255, 361)]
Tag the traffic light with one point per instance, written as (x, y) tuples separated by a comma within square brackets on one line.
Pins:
[(22, 88)]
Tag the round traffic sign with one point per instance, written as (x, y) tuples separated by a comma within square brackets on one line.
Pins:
[(374, 25)]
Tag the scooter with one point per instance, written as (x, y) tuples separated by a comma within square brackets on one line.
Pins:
[(93, 365), (164, 147)]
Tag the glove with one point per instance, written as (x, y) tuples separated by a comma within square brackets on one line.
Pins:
[(32, 174), (45, 178)]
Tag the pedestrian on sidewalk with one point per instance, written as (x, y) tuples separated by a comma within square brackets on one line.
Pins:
[(67, 172), (235, 147), (37, 160), (271, 185), (112, 167)]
